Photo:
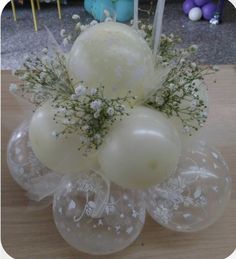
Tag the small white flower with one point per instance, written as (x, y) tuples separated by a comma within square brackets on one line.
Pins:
[(45, 51), (65, 42), (93, 22), (159, 100), (78, 26), (13, 88), (110, 111), (93, 91), (150, 27), (106, 13), (85, 127), (97, 136), (96, 114), (108, 19), (193, 65), (80, 90), (63, 33), (74, 97), (75, 17), (143, 27), (96, 105), (193, 47), (83, 27), (42, 75), (182, 60)]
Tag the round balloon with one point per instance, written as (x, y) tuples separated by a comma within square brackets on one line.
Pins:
[(113, 55), (96, 217), (188, 5), (59, 153), (141, 150), (195, 14), (208, 11), (196, 196), (26, 169)]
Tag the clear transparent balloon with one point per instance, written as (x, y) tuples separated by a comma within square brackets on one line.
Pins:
[(96, 217), (196, 196), (25, 168)]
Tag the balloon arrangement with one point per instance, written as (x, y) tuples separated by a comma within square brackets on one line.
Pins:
[(108, 136), (196, 9)]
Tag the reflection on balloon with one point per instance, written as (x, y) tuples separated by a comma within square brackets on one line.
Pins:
[(95, 217), (26, 169), (142, 150), (196, 196)]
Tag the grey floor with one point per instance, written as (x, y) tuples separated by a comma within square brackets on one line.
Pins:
[(217, 44)]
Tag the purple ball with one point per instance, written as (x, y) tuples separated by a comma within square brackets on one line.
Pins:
[(208, 11), (188, 5), (201, 2)]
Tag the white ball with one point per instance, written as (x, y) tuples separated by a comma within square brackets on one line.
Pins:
[(115, 56), (141, 150), (195, 14), (60, 154)]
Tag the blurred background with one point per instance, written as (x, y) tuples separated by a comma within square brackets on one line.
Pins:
[(23, 25)]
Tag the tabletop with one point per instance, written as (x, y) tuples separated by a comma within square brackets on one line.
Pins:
[(29, 232)]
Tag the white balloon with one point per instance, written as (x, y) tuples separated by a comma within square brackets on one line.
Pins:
[(141, 150), (196, 196), (115, 56), (26, 169), (195, 14), (60, 154), (97, 218)]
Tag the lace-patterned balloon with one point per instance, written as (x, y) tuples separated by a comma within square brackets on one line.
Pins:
[(196, 196), (97, 218), (26, 169)]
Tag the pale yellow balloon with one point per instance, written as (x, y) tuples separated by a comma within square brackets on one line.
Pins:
[(60, 154), (140, 151), (115, 56)]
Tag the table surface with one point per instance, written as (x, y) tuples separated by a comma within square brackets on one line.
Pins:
[(31, 233)]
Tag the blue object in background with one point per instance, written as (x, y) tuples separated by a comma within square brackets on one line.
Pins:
[(88, 5), (122, 9)]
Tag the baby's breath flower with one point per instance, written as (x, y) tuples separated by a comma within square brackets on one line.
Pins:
[(80, 90), (93, 91), (45, 51), (75, 17), (106, 13), (93, 22), (78, 26), (83, 27), (96, 105), (108, 19), (193, 47), (63, 33), (110, 111), (65, 42)]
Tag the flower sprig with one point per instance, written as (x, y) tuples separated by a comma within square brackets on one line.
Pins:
[(181, 95), (90, 114), (44, 78)]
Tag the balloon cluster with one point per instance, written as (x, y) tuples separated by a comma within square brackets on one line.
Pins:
[(197, 9), (135, 161)]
